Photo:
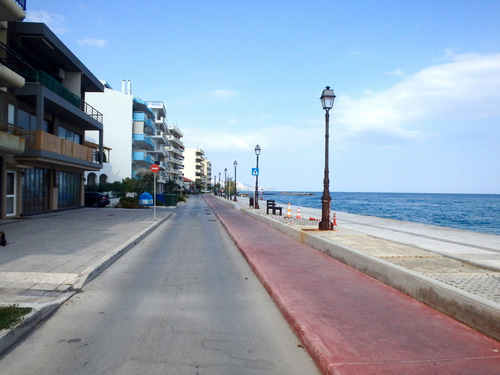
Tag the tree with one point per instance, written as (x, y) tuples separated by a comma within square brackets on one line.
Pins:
[(144, 182)]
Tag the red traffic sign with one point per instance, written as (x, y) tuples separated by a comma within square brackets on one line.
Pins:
[(155, 168)]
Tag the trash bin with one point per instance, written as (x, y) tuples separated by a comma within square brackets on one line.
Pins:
[(251, 201), (160, 198), (170, 199), (145, 199)]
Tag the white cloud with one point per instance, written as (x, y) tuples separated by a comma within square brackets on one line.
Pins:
[(466, 88), (54, 21), (99, 43), (222, 140), (222, 93)]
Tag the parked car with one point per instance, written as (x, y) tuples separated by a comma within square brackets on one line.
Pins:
[(96, 199)]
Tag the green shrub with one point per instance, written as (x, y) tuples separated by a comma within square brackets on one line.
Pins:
[(181, 198), (128, 202), (11, 315)]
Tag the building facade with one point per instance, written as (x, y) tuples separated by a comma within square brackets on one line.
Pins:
[(43, 119), (170, 154), (138, 136), (197, 168)]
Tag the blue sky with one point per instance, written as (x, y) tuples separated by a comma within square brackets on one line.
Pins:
[(417, 84)]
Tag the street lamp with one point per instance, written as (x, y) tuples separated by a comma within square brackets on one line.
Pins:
[(256, 198), (225, 182), (327, 99), (235, 188), (220, 188)]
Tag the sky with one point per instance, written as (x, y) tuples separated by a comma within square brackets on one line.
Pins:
[(417, 84)]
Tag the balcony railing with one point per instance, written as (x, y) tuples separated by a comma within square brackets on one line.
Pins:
[(11, 129), (21, 3), (43, 141)]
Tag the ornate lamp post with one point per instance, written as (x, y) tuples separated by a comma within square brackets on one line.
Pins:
[(225, 182), (235, 188), (327, 99), (256, 198)]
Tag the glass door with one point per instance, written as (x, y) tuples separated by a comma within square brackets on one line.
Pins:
[(10, 205)]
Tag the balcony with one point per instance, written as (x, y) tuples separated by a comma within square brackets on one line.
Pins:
[(12, 10), (11, 140), (53, 85), (143, 141), (141, 117), (142, 159), (160, 138), (175, 131), (175, 140), (39, 140)]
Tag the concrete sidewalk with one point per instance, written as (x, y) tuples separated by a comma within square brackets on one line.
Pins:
[(50, 257), (349, 322)]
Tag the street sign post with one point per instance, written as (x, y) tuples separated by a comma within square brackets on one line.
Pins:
[(155, 168)]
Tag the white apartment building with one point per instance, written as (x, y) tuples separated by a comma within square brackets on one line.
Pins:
[(197, 167), (137, 136)]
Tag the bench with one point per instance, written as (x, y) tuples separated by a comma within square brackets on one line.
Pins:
[(271, 205)]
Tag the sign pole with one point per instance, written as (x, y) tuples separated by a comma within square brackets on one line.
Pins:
[(155, 169), (154, 198)]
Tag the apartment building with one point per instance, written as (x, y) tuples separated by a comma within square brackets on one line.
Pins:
[(43, 119), (207, 169), (170, 153), (138, 136), (197, 167)]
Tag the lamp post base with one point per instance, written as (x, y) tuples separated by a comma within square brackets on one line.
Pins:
[(325, 225)]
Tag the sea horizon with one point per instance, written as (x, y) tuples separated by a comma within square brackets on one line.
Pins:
[(478, 212)]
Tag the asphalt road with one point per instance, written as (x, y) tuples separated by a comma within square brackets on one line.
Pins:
[(183, 301)]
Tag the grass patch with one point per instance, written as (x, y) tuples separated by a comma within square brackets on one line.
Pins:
[(11, 315)]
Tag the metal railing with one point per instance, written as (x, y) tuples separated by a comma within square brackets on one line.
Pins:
[(21, 3), (11, 129)]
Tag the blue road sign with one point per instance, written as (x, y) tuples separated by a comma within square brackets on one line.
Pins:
[(255, 171)]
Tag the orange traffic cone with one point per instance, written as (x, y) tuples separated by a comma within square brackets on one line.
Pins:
[(334, 220), (298, 214), (289, 211)]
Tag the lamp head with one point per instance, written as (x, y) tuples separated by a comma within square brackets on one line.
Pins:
[(257, 150), (327, 98)]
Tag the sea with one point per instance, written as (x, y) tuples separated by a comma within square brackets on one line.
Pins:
[(474, 212)]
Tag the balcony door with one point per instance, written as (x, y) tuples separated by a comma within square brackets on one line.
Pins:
[(10, 204)]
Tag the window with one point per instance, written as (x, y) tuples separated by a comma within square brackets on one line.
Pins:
[(36, 190), (69, 135), (23, 119), (91, 179), (69, 189), (11, 116), (10, 209)]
